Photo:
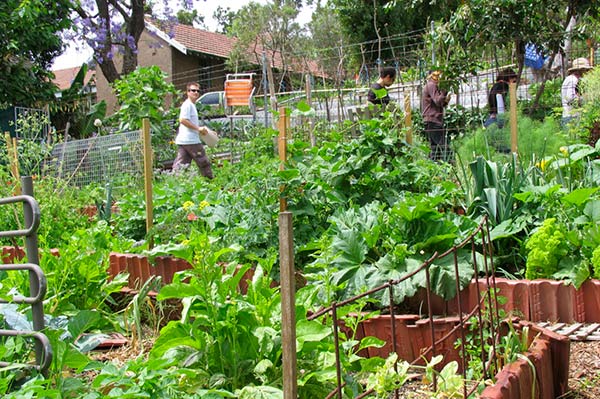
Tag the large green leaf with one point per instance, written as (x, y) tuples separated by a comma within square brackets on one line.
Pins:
[(351, 249), (579, 196), (310, 331)]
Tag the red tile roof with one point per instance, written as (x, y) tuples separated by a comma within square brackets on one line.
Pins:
[(64, 77), (203, 41), (219, 45)]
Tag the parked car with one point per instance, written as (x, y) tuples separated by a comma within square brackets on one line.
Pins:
[(213, 99)]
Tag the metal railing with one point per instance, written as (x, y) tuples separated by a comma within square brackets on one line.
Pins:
[(37, 279), (484, 308)]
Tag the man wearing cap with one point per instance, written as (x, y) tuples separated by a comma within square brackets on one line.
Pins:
[(571, 98)]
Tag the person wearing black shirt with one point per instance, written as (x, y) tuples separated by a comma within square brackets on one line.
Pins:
[(378, 94), (504, 77)]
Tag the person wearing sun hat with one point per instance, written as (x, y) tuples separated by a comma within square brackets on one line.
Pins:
[(569, 93)]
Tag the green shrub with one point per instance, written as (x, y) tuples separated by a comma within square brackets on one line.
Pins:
[(536, 140)]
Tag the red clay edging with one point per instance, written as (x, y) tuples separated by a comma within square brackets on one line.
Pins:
[(549, 355), (140, 269), (13, 254), (541, 300)]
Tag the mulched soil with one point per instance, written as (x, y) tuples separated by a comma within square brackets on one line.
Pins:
[(584, 370)]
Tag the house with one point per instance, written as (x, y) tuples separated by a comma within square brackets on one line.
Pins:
[(185, 54), (63, 78)]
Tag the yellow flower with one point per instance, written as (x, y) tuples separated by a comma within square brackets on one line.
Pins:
[(185, 242), (187, 205), (203, 204), (542, 165), (564, 150)]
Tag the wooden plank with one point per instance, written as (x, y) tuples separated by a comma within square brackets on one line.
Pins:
[(554, 327), (569, 330), (589, 330)]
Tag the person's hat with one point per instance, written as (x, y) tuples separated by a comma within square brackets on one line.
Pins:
[(580, 64)]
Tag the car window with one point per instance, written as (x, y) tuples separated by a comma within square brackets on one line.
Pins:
[(210, 98)]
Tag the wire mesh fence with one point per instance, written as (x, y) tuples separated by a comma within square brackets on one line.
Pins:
[(97, 159)]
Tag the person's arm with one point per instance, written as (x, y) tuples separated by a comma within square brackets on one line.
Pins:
[(187, 123), (438, 97)]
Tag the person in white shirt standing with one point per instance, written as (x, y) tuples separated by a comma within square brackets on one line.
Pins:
[(569, 93), (189, 144)]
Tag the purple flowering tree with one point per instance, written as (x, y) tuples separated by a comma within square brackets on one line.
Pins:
[(113, 27)]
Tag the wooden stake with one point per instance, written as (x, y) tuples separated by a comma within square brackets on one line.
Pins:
[(273, 97), (512, 90), (408, 119), (148, 176), (288, 305), (13, 161), (282, 149)]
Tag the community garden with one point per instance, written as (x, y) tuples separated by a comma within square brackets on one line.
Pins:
[(366, 210)]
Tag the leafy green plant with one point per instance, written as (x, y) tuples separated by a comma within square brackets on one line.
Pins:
[(590, 115), (393, 374), (535, 141), (233, 341), (144, 94), (33, 145), (77, 279), (371, 245)]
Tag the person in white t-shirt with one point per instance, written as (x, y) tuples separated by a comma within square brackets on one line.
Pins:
[(189, 144), (570, 96)]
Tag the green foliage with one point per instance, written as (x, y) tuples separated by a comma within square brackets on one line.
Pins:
[(596, 262), (25, 53), (60, 208), (233, 341), (78, 278), (144, 94), (460, 120), (590, 115), (371, 245), (393, 374), (362, 21), (74, 107), (33, 147), (508, 25), (546, 247), (536, 140), (549, 104)]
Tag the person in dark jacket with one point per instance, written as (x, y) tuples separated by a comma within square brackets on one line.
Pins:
[(378, 94), (497, 96), (433, 102)]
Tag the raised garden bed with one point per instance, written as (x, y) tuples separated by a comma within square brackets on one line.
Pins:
[(536, 300)]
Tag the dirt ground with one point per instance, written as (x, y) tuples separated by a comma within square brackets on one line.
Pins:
[(584, 370)]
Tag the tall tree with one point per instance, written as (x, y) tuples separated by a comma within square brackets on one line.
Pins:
[(387, 28), (224, 17), (29, 42), (328, 41), (510, 24), (273, 30), (111, 26)]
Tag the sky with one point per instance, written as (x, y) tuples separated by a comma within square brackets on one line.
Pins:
[(72, 57)]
